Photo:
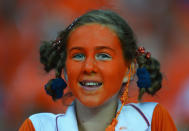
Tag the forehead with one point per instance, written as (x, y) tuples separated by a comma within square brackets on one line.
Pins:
[(93, 34)]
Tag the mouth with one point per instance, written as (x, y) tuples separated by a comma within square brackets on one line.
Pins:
[(90, 85)]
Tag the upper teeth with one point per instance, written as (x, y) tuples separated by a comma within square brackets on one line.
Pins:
[(91, 83)]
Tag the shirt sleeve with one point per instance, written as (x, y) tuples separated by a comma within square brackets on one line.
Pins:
[(27, 126), (161, 120)]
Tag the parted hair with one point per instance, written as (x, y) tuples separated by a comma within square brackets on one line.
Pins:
[(53, 53)]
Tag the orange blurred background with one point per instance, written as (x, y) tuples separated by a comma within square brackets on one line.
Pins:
[(162, 27)]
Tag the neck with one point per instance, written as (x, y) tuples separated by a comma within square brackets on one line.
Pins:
[(97, 118)]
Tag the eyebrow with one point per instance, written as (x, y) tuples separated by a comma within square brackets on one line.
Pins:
[(97, 48), (75, 48), (104, 47)]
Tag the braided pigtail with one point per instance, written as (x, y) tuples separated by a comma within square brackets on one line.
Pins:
[(49, 56), (52, 55), (148, 72)]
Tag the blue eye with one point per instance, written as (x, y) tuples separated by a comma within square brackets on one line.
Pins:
[(78, 57), (103, 56)]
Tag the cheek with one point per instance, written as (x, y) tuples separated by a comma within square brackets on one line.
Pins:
[(73, 71), (113, 71), (113, 82), (112, 76)]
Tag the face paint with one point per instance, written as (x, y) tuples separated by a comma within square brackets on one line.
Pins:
[(95, 64)]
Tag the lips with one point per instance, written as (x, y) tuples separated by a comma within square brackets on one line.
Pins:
[(90, 85)]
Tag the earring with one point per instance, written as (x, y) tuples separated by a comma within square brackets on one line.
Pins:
[(125, 79)]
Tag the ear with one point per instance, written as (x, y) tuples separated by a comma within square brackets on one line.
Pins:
[(132, 72)]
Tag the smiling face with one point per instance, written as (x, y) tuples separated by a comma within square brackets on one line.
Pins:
[(95, 64)]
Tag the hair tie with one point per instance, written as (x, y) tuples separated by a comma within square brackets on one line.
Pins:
[(72, 24), (55, 88), (144, 80), (57, 43), (141, 51)]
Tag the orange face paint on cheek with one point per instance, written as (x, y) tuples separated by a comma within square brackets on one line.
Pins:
[(95, 64)]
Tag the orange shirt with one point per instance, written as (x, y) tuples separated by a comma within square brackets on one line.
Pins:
[(161, 121)]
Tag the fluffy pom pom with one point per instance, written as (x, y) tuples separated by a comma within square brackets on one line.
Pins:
[(144, 80), (55, 88)]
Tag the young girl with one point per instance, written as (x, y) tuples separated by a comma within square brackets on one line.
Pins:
[(97, 55)]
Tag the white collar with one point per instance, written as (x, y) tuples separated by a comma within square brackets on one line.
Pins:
[(127, 120)]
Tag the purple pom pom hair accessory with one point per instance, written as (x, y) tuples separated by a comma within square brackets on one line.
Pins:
[(55, 88), (144, 80)]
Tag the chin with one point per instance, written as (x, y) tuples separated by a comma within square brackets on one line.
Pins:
[(93, 103)]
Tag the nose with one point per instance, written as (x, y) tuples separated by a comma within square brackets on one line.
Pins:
[(89, 66)]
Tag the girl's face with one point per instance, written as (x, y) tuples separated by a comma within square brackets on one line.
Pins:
[(95, 64)]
